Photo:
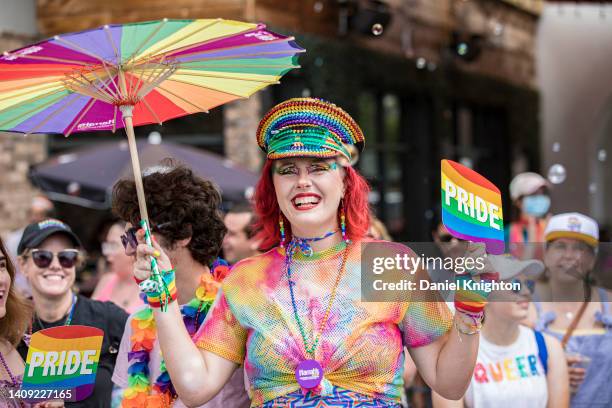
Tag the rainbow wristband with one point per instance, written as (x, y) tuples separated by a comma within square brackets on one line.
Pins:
[(468, 300), (159, 298)]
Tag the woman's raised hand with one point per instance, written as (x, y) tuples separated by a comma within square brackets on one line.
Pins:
[(142, 266)]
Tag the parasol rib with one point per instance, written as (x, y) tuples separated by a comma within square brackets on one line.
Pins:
[(140, 81), (83, 112), (256, 54), (176, 41), (11, 68), (151, 111), (174, 51), (212, 67), (96, 88), (39, 85), (54, 113), (150, 78), (199, 108), (105, 84), (29, 91), (27, 113), (224, 77), (111, 76), (110, 40), (155, 82), (81, 49), (55, 59), (207, 87), (151, 35), (87, 88), (25, 102), (233, 47), (86, 91)]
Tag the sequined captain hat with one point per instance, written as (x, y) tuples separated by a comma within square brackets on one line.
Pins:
[(308, 127)]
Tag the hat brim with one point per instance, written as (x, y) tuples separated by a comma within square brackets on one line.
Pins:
[(509, 267), (40, 238), (588, 239)]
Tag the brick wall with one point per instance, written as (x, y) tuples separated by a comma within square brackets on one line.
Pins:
[(241, 119)]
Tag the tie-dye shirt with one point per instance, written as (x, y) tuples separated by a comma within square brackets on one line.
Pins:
[(361, 348)]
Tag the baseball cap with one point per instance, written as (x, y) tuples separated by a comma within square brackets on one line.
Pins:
[(574, 226), (508, 266), (35, 233), (525, 184)]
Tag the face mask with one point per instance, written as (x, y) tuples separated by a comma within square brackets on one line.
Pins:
[(536, 205)]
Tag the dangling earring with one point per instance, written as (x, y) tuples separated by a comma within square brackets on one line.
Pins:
[(343, 222), (282, 230)]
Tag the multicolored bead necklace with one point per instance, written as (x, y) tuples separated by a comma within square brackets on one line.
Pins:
[(304, 245)]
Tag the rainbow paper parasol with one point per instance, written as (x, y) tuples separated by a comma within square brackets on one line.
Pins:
[(121, 76)]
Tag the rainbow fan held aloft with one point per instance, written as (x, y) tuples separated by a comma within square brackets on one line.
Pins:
[(472, 207)]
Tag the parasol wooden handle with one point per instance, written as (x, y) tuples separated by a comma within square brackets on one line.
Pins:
[(129, 129)]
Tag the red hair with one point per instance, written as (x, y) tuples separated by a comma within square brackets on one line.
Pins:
[(356, 208)]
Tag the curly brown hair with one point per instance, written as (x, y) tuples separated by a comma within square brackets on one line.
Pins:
[(180, 204), (18, 309)]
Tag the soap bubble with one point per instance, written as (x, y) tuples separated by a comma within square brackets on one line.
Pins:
[(556, 147), (602, 155), (377, 29), (593, 188), (318, 6), (557, 173)]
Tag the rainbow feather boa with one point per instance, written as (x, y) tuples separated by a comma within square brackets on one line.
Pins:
[(140, 393)]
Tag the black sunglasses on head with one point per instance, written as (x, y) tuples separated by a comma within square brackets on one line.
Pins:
[(43, 258)]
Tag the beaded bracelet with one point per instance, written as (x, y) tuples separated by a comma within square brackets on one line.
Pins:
[(472, 327), (156, 296)]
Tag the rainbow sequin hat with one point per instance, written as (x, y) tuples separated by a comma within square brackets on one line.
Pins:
[(308, 127)]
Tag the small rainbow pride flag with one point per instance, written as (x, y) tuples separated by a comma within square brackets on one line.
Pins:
[(63, 360), (472, 207)]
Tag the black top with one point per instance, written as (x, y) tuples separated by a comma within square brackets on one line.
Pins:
[(109, 318)]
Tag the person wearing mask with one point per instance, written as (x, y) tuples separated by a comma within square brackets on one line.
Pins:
[(578, 313), (516, 365), (240, 241), (117, 285), (49, 253), (185, 217), (531, 200)]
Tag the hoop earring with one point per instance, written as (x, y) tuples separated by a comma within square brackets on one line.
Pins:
[(343, 222), (282, 230)]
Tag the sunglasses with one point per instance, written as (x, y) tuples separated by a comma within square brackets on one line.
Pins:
[(129, 240), (528, 283), (43, 258)]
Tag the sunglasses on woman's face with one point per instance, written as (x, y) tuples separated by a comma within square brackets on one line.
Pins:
[(43, 258)]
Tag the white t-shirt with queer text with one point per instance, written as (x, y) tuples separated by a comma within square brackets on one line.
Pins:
[(508, 376)]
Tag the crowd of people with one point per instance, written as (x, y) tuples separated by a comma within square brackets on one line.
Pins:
[(281, 321)]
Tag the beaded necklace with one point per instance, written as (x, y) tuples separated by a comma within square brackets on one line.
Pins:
[(140, 393), (304, 245), (28, 336), (14, 382)]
